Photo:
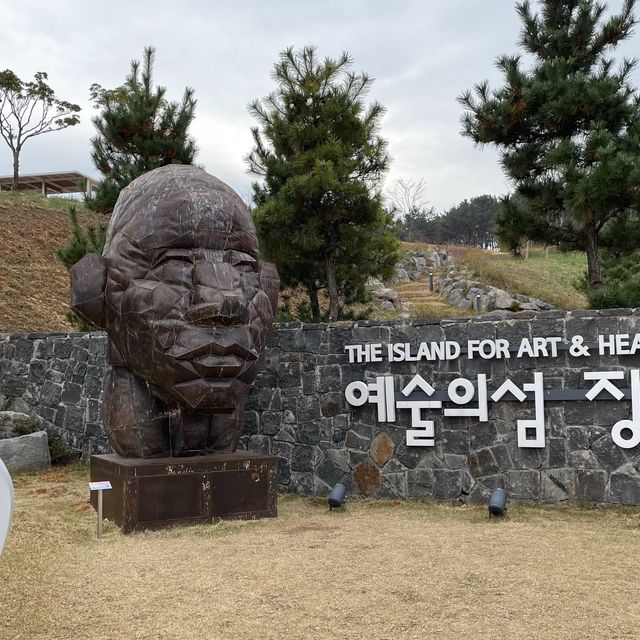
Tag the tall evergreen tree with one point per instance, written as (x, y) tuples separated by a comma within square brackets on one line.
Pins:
[(568, 129), (317, 151), (138, 130), (471, 222)]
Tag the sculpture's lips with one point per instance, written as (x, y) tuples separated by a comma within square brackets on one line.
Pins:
[(218, 366), (212, 349)]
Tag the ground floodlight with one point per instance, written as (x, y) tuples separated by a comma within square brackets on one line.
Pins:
[(498, 502), (336, 497)]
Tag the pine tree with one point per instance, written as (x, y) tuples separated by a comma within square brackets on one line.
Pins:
[(80, 243), (568, 129), (138, 130), (471, 222), (319, 211)]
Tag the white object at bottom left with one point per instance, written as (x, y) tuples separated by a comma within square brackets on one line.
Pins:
[(6, 504)]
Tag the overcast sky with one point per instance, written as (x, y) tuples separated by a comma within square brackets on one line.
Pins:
[(422, 54)]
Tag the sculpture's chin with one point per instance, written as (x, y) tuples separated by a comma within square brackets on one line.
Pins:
[(210, 394)]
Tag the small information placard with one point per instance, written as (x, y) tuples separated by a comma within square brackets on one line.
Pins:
[(98, 486)]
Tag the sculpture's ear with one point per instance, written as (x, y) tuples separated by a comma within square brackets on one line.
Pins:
[(270, 282), (88, 280)]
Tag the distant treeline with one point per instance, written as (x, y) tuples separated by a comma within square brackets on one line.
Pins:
[(471, 222)]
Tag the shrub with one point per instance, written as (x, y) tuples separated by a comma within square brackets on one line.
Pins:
[(625, 294), (60, 452)]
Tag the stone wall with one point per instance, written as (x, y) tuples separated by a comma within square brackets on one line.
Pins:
[(415, 265), (56, 378), (298, 411)]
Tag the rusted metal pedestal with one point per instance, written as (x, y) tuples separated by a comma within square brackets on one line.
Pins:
[(162, 492)]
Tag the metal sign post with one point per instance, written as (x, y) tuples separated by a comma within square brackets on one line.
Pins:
[(99, 487)]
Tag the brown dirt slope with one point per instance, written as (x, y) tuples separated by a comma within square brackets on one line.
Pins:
[(34, 285)]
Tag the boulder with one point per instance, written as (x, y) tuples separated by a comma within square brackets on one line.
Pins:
[(385, 293), (447, 286), (503, 300), (455, 296), (541, 304), (26, 453), (473, 292), (14, 424)]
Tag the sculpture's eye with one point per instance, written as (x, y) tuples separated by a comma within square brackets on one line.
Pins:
[(173, 255), (243, 261)]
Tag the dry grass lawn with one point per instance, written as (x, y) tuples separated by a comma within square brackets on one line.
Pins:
[(378, 570)]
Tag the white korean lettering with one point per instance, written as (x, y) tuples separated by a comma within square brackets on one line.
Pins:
[(537, 424), (633, 425), (603, 383), (380, 392), (422, 432), (466, 395)]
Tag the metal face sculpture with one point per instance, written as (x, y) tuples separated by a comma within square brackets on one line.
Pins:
[(187, 303)]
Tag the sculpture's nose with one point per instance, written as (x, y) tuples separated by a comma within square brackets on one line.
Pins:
[(217, 307), (217, 295)]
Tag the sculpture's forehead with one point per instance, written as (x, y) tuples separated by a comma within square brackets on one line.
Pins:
[(178, 206), (183, 223)]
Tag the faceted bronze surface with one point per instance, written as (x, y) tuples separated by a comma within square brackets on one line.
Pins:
[(187, 303)]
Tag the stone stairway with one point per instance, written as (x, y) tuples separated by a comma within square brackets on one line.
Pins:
[(426, 303)]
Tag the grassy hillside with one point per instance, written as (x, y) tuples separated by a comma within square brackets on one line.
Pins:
[(554, 279), (34, 286)]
